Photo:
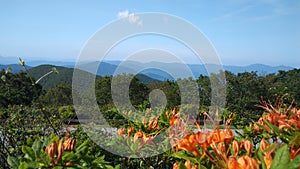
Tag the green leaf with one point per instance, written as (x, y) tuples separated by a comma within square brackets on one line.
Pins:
[(69, 156), (58, 167), (83, 145), (134, 146), (13, 162), (273, 127), (3, 78), (185, 156), (118, 166), (281, 158), (295, 163), (29, 152), (23, 165), (36, 147)]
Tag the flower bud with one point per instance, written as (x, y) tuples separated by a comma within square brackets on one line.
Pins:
[(60, 149), (248, 147), (138, 135), (67, 144), (68, 163), (187, 164), (235, 147), (130, 131), (176, 165), (263, 145), (51, 149), (73, 143), (121, 132)]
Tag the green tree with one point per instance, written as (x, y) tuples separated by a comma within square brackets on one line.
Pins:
[(171, 91), (17, 89), (61, 95)]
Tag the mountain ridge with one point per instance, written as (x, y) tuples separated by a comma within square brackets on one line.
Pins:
[(157, 70)]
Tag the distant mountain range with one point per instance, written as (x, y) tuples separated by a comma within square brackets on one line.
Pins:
[(15, 68), (146, 72), (171, 71)]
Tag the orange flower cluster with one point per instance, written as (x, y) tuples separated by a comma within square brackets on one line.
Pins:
[(152, 125), (267, 152), (204, 140), (281, 118), (56, 149), (219, 141), (245, 161), (174, 117), (138, 136)]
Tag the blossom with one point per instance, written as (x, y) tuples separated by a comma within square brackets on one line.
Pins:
[(51, 149)]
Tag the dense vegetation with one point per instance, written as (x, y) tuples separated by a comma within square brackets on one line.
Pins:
[(29, 115)]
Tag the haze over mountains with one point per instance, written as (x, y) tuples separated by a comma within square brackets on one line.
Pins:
[(154, 70)]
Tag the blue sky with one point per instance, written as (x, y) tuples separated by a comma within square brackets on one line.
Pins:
[(242, 31)]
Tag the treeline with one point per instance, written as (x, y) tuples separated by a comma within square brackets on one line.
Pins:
[(243, 91)]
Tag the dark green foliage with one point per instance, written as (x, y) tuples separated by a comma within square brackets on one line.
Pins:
[(61, 95), (170, 89), (17, 89), (138, 91), (103, 91)]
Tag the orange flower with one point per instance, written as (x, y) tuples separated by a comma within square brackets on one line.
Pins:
[(188, 165), (268, 159), (215, 137), (189, 144), (68, 163), (174, 117), (248, 163), (73, 144), (69, 144), (60, 149), (220, 150), (232, 163), (153, 125), (138, 136), (176, 165), (283, 124), (51, 149), (130, 131), (121, 132), (173, 121), (228, 135), (248, 146), (263, 145), (236, 148), (202, 140)]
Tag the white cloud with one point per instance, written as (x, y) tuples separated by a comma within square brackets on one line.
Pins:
[(130, 17), (123, 14)]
